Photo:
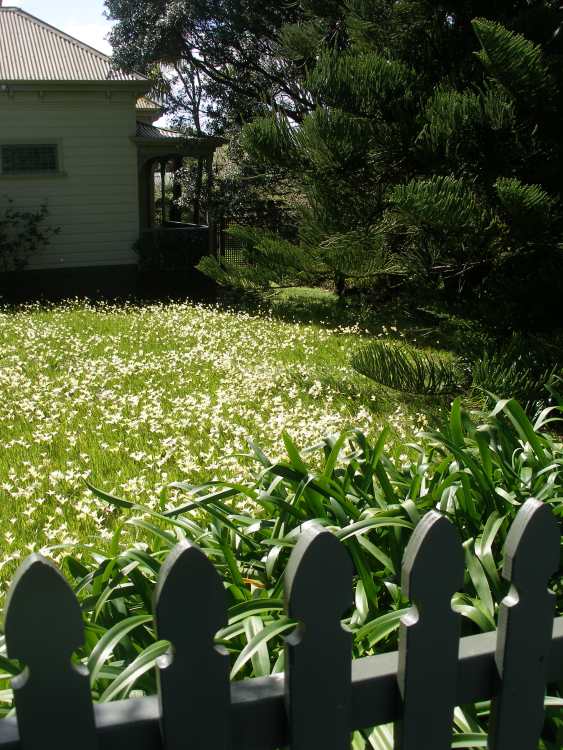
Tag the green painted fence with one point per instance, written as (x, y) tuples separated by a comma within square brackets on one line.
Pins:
[(324, 694)]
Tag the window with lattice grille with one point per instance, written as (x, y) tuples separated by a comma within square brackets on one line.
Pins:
[(29, 158)]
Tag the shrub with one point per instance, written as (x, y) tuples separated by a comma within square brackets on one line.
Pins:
[(506, 372), (172, 249), (22, 233)]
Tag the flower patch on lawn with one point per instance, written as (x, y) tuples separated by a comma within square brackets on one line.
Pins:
[(135, 397)]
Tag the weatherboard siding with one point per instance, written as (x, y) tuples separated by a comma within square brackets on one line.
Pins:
[(95, 199)]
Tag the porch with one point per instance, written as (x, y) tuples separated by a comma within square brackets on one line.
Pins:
[(175, 194)]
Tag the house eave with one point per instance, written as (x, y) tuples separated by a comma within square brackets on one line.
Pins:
[(139, 87), (152, 148), (197, 147), (208, 143)]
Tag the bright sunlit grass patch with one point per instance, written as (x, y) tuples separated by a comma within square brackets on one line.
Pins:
[(135, 397)]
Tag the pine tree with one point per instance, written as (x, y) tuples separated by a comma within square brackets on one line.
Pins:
[(432, 152)]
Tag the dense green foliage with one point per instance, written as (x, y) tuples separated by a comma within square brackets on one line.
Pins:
[(213, 59), (431, 153), (476, 472), (424, 140)]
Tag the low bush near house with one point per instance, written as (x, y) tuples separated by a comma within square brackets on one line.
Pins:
[(22, 233), (172, 248)]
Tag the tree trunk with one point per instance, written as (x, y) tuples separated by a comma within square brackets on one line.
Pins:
[(340, 284)]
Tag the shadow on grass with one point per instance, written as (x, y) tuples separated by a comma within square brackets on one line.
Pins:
[(382, 402)]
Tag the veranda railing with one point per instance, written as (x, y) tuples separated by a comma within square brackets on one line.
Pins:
[(324, 694)]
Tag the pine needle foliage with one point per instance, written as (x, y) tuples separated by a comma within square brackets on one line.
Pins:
[(271, 139), (367, 85), (446, 159), (268, 261), (494, 374), (444, 203), (360, 255), (450, 115), (459, 125), (514, 61), (331, 140), (528, 207), (509, 370), (407, 369)]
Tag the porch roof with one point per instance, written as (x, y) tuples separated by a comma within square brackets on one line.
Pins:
[(154, 142)]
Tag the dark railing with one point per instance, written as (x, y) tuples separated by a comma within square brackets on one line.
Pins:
[(174, 246), (324, 694), (230, 249)]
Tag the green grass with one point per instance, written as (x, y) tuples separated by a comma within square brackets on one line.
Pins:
[(135, 397)]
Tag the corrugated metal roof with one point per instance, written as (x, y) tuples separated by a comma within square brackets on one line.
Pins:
[(31, 50), (145, 103), (157, 134)]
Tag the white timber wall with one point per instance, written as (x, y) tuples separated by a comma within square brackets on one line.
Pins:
[(94, 200)]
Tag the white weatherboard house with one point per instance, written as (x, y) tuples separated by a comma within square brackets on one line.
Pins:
[(78, 136)]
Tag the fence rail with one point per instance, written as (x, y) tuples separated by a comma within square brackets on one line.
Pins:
[(324, 695)]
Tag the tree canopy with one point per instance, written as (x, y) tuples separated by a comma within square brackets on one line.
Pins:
[(233, 50), (425, 137)]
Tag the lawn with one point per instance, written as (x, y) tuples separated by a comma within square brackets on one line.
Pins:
[(135, 397)]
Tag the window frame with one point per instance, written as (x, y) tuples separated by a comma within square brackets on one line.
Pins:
[(36, 174)]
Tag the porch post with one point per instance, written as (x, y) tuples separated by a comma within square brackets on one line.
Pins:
[(209, 168), (175, 209), (151, 208), (211, 218), (197, 192), (163, 190)]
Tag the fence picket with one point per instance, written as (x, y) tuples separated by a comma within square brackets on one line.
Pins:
[(43, 628), (525, 627), (432, 572), (193, 679), (319, 652)]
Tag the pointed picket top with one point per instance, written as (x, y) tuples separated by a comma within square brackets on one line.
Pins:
[(43, 628), (432, 562), (319, 653), (318, 577), (432, 572), (531, 552), (526, 614), (194, 687)]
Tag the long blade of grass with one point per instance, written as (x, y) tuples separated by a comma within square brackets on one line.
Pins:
[(146, 660), (111, 638), (265, 635), (381, 627), (362, 527), (253, 626)]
